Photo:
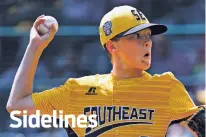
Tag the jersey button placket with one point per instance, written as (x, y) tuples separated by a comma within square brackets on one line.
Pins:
[(116, 133), (117, 83)]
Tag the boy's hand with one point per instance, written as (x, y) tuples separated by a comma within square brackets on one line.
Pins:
[(38, 41)]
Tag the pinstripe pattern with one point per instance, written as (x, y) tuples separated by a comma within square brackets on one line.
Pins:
[(162, 93)]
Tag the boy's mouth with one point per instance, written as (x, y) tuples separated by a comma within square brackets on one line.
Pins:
[(147, 55)]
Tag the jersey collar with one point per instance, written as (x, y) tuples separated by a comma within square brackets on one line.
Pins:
[(115, 80)]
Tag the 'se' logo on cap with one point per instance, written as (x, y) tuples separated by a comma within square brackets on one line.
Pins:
[(107, 27)]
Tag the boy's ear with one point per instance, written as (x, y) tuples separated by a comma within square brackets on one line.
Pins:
[(110, 47)]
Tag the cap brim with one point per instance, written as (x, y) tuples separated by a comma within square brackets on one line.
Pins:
[(155, 29)]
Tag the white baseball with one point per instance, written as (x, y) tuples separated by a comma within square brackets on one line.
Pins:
[(44, 27)]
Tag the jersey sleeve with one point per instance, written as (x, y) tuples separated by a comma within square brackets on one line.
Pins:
[(181, 105), (54, 99)]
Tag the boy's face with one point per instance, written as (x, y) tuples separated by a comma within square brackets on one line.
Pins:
[(134, 50)]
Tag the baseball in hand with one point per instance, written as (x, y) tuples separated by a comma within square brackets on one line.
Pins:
[(44, 27)]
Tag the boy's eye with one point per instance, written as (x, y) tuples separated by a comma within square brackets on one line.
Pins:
[(142, 37), (138, 36)]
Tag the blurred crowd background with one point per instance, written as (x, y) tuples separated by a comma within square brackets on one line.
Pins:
[(76, 49)]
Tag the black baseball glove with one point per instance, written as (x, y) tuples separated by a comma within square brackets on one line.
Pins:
[(197, 122)]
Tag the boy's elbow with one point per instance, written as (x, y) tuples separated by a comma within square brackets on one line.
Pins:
[(21, 105), (9, 107)]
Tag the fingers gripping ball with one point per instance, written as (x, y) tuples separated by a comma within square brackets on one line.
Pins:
[(44, 27)]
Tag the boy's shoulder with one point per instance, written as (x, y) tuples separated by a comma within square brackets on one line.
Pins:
[(165, 75), (168, 76)]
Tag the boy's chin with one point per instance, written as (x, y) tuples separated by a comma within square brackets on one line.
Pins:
[(145, 67)]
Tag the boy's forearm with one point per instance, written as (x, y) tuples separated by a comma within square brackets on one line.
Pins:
[(23, 82)]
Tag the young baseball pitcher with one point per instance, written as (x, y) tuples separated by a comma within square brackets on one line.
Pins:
[(128, 102)]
